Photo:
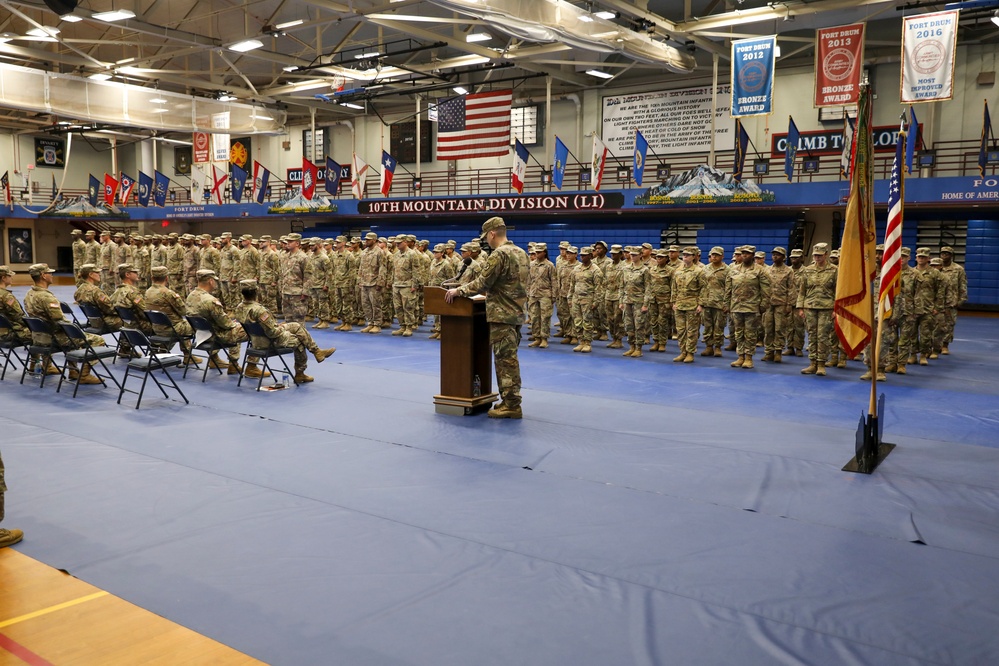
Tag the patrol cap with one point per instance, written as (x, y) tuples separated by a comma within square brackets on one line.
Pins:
[(492, 224), (820, 248), (174, 234), (246, 237), (572, 249), (717, 249), (340, 239), (906, 251), (797, 252), (616, 249), (226, 234), (248, 283), (75, 232), (834, 253), (355, 240), (5, 271), (452, 243), (646, 246), (586, 250), (37, 269), (936, 261), (466, 247), (206, 273), (105, 233), (119, 235), (564, 243), (541, 247), (90, 232), (87, 269), (779, 250), (631, 249), (158, 271), (440, 247), (600, 242), (760, 254), (689, 250), (674, 248), (294, 237), (946, 249), (696, 249), (751, 249), (410, 238), (127, 268), (662, 254), (474, 244), (371, 235), (880, 247), (922, 252), (265, 237), (530, 246), (390, 239), (315, 240)]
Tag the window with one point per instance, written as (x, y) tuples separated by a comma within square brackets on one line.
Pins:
[(320, 153), (525, 124)]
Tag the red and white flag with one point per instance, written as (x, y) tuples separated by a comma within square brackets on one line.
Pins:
[(110, 188), (309, 176), (598, 162), (218, 180), (475, 125), (388, 172), (519, 172), (891, 263), (358, 176), (5, 183)]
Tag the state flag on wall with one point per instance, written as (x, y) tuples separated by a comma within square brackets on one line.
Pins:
[(598, 162), (110, 188), (310, 174), (261, 177), (332, 177), (518, 173), (160, 191), (145, 189), (388, 172), (127, 183)]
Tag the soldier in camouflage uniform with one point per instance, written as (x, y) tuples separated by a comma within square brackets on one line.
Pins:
[(175, 265), (339, 297), (602, 261), (661, 300), (503, 282), (93, 249), (923, 299), (161, 298), (387, 305), (541, 296), (714, 302), (689, 284), (79, 253), (227, 271), (634, 298), (128, 296), (353, 284), (749, 295), (562, 270), (141, 259), (7, 537), (901, 315), (612, 293), (292, 334), (12, 310), (372, 278), (816, 299), (190, 262), (209, 259), (294, 297), (319, 265), (201, 303), (90, 293), (441, 270), (955, 276), (157, 254), (270, 274), (106, 262), (796, 340), (407, 280), (777, 320), (120, 256), (585, 297), (42, 303)]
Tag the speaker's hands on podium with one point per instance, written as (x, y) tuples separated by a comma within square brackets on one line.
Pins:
[(449, 295)]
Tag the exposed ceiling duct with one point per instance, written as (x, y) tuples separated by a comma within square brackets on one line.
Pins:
[(551, 21)]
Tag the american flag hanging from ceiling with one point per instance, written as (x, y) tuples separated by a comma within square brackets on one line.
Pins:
[(475, 125)]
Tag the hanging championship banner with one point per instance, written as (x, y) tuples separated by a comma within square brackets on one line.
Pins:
[(220, 141), (929, 42), (753, 76), (839, 57), (202, 148)]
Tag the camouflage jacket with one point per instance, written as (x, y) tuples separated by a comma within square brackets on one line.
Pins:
[(79, 254), (202, 304), (227, 266), (440, 271), (270, 268), (661, 283), (586, 283), (256, 312), (129, 296), (293, 273), (248, 264), (562, 271), (163, 299), (42, 303), (715, 287), (93, 253), (782, 286), (817, 287), (90, 294), (317, 270), (749, 289), (175, 259), (210, 259), (503, 278), (11, 309), (407, 269), (372, 270), (688, 287), (635, 285), (542, 280), (925, 294), (107, 256), (157, 256), (957, 281), (612, 281)]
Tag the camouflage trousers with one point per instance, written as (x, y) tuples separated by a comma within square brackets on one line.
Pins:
[(868, 355), (541, 318), (296, 307), (371, 304), (950, 321), (777, 327), (296, 336), (343, 304), (584, 317), (917, 334), (889, 342), (797, 339), (406, 302), (564, 316), (321, 304), (746, 327), (688, 327), (659, 316), (634, 322), (505, 338), (387, 306), (268, 297), (614, 319), (714, 327), (819, 324), (232, 337)]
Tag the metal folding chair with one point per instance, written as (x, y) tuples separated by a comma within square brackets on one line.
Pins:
[(97, 326), (166, 342), (9, 346), (148, 364), (44, 353), (85, 354), (254, 329), (208, 346), (67, 310)]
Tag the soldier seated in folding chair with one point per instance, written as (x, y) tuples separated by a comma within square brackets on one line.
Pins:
[(163, 299), (11, 308), (128, 297), (89, 293), (201, 303), (41, 303), (291, 334)]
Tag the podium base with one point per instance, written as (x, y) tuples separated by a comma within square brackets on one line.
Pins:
[(455, 406)]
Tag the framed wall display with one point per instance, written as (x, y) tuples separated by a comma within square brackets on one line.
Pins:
[(20, 246), (182, 160), (402, 142), (50, 153)]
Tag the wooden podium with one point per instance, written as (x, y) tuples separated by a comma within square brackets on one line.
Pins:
[(465, 353)]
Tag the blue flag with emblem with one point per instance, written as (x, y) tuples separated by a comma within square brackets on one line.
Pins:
[(558, 167), (910, 139), (237, 182), (160, 192), (791, 150), (333, 171), (93, 189), (145, 189), (641, 151)]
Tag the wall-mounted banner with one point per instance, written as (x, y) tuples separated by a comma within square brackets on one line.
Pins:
[(202, 147), (220, 142), (294, 176), (673, 121), (830, 142), (929, 42), (50, 153), (753, 76), (839, 56), (496, 205)]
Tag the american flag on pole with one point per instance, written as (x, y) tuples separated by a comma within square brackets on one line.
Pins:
[(476, 125), (891, 264)]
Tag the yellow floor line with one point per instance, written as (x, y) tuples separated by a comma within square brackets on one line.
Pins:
[(52, 609)]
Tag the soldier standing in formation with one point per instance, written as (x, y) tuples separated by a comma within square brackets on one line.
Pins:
[(714, 302), (777, 319), (585, 297), (541, 296), (816, 299)]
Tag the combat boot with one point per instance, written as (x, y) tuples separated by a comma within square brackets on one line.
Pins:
[(407, 332), (322, 324), (366, 329), (631, 350), (922, 360), (587, 348), (399, 331), (300, 377), (346, 327), (543, 345), (534, 343), (233, 369), (901, 369), (866, 376), (912, 359), (945, 351), (375, 329), (708, 351), (615, 345), (768, 357), (215, 363), (579, 347), (602, 337), (934, 356), (689, 358), (777, 357), (811, 369), (820, 371), (737, 363), (882, 377), (504, 411), (662, 347), (253, 372), (730, 346), (841, 364), (681, 357), (566, 340), (748, 363), (718, 352), (74, 374), (891, 367), (637, 352), (323, 354), (86, 377), (10, 537), (574, 340)]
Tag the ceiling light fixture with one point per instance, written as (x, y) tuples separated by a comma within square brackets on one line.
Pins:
[(607, 16), (246, 45), (460, 90), (290, 68), (223, 96), (115, 15), (261, 117), (69, 18), (6, 37), (478, 37), (995, 17), (99, 76), (289, 24), (600, 75), (157, 100), (350, 105), (369, 54), (586, 18), (43, 32), (161, 110)]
